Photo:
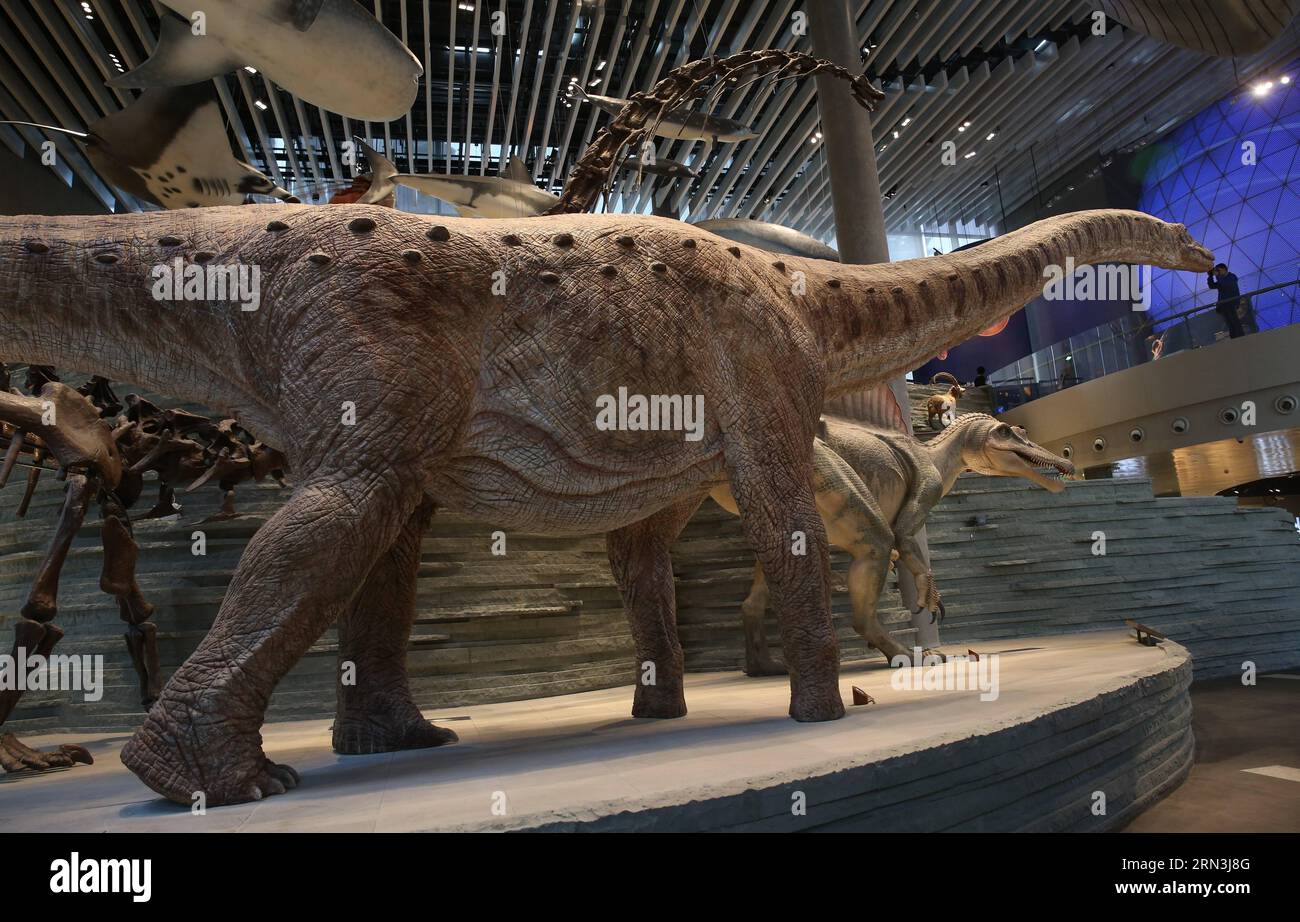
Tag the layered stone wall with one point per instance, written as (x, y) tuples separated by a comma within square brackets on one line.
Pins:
[(1011, 560)]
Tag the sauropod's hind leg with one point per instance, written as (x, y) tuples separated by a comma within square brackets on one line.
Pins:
[(375, 710), (640, 558)]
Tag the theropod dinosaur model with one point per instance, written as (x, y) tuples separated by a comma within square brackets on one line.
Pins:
[(874, 490), (404, 363), (941, 409)]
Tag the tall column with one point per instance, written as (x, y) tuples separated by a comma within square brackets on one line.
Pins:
[(846, 138), (850, 153)]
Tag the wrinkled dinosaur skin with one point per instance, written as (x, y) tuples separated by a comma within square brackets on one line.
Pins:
[(485, 403), (874, 490)]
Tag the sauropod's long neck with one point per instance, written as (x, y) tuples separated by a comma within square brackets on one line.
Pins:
[(877, 322)]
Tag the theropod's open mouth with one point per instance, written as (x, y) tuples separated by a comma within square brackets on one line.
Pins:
[(1046, 459)]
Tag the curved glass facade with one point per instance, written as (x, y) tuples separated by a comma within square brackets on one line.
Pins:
[(1232, 175)]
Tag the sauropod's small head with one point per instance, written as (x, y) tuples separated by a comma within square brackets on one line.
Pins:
[(1184, 252), (998, 449)]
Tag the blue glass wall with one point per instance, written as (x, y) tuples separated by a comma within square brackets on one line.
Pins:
[(1249, 215)]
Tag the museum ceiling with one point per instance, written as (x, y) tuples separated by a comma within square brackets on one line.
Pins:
[(1025, 90)]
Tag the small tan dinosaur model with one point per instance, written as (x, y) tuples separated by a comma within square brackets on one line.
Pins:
[(941, 409), (874, 490)]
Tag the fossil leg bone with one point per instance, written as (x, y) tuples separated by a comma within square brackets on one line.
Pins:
[(37, 634)]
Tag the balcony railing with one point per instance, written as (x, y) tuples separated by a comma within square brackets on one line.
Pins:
[(1137, 339)]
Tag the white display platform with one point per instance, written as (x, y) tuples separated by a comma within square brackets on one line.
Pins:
[(1077, 719)]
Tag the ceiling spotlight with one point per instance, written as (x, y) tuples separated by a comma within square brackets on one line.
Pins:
[(250, 69), (965, 124), (260, 104), (1284, 79), (593, 82), (895, 134), (970, 154), (1261, 89), (907, 121), (961, 127), (600, 66), (991, 136)]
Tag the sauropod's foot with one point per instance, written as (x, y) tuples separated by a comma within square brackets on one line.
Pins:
[(764, 665), (663, 701), (809, 705), (17, 756), (219, 761), (379, 730)]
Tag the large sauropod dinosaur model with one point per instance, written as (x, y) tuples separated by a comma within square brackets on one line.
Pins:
[(402, 363), (874, 490)]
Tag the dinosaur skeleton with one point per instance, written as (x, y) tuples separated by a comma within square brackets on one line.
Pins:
[(106, 465), (594, 172)]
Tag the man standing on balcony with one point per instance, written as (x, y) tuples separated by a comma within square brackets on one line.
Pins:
[(1225, 283)]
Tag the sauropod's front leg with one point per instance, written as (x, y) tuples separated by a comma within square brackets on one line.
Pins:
[(640, 558), (375, 710), (772, 486), (297, 576)]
